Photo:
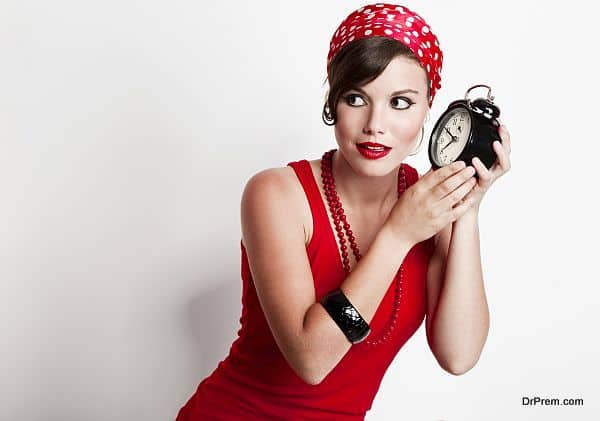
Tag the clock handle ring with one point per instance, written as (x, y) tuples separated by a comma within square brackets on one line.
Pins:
[(490, 97)]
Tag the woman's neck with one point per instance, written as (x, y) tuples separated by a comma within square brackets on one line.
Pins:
[(367, 195)]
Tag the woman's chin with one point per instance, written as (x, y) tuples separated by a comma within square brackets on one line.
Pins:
[(374, 168)]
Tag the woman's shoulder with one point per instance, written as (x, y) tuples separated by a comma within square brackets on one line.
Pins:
[(279, 184), (277, 187), (282, 179), (285, 177)]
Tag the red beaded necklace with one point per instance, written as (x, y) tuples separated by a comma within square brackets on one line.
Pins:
[(339, 218)]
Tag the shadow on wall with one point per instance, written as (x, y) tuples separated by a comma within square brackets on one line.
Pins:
[(214, 320)]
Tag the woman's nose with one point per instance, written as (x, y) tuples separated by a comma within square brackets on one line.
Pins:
[(374, 123), (368, 130)]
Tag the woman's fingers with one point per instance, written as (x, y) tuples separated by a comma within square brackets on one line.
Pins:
[(448, 202), (502, 153), (451, 183), (434, 177), (485, 175), (505, 137), (502, 163), (460, 209)]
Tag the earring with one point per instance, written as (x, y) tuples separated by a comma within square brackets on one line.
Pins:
[(420, 142)]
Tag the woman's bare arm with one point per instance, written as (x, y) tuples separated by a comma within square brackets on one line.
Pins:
[(458, 316), (273, 236)]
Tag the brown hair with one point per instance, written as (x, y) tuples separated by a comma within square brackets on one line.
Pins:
[(358, 63)]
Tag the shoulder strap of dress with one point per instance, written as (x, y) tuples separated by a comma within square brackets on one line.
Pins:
[(304, 173)]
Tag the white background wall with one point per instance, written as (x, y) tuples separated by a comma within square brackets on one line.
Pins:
[(128, 130)]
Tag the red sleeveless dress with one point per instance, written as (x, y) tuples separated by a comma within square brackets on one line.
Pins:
[(255, 381)]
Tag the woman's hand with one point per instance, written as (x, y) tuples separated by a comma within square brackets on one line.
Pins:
[(432, 202), (487, 177)]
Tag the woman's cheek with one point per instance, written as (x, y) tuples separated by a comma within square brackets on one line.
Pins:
[(405, 128), (348, 123)]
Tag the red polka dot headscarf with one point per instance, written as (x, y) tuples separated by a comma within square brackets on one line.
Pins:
[(396, 22)]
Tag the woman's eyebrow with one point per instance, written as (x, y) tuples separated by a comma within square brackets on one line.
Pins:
[(401, 91)]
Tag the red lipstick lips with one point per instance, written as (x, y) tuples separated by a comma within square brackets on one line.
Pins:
[(373, 145), (371, 150)]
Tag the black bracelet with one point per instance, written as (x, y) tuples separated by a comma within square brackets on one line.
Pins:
[(345, 315)]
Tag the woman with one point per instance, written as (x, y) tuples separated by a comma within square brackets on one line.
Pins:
[(343, 257)]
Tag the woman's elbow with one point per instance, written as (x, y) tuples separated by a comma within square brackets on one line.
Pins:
[(459, 368), (305, 367), (309, 376), (313, 380), (457, 371), (313, 373)]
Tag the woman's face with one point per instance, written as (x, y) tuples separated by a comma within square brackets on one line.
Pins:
[(389, 110)]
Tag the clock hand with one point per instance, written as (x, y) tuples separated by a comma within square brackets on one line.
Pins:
[(454, 139), (448, 144)]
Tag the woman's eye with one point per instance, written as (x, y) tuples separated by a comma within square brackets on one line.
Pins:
[(399, 103), (350, 97), (403, 103)]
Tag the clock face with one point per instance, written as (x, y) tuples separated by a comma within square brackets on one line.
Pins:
[(450, 136)]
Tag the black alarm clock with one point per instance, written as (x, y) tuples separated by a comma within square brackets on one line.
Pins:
[(467, 129)]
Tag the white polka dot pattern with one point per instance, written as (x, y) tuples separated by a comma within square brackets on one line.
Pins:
[(396, 22)]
